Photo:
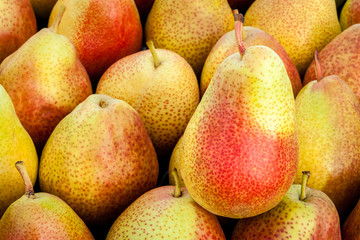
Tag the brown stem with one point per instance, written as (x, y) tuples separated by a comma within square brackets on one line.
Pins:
[(318, 71), (239, 20), (54, 26), (151, 46), (29, 190), (305, 177), (177, 192)]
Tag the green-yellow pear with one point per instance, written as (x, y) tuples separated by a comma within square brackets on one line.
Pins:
[(189, 28), (99, 159), (15, 145), (304, 213), (42, 8), (163, 89), (328, 119), (301, 26), (40, 216), (240, 149), (166, 212), (45, 80), (17, 24), (174, 164)]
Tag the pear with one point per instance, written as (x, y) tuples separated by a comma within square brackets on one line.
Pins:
[(251, 36), (102, 31), (99, 159), (166, 212), (351, 228), (328, 118), (15, 145), (163, 89), (350, 14), (42, 8), (240, 151), (40, 216), (341, 57), (175, 162), (301, 26), (189, 28), (17, 24), (45, 81), (304, 213)]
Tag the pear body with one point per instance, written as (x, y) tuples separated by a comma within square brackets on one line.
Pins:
[(42, 8), (15, 145), (227, 45), (351, 228), (350, 14), (175, 163), (314, 218), (17, 24), (341, 57), (165, 96), (328, 118), (189, 28), (45, 217), (240, 149), (157, 214), (102, 31), (99, 159), (300, 26), (45, 80)]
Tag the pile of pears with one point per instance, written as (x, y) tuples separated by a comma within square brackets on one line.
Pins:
[(176, 119)]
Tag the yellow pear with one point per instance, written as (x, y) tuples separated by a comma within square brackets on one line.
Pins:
[(15, 145), (175, 161)]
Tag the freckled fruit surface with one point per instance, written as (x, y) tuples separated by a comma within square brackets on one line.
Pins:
[(240, 146), (99, 159), (159, 215)]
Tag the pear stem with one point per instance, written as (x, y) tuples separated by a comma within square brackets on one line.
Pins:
[(305, 177), (318, 71), (29, 190), (54, 27), (151, 46), (239, 20), (243, 33), (177, 192)]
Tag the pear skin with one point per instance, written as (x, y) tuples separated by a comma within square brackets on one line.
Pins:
[(240, 151), (301, 26), (42, 8), (99, 159), (351, 228), (189, 28), (16, 145), (175, 163), (350, 14)]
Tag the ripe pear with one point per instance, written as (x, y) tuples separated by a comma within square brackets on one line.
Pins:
[(17, 24), (42, 8), (45, 80), (351, 228), (240, 151), (166, 212), (163, 89), (189, 28), (328, 118), (251, 36), (350, 14), (301, 26), (304, 213), (15, 145), (99, 159), (40, 216), (175, 162), (341, 57), (102, 31)]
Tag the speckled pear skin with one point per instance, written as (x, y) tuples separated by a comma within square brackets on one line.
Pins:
[(313, 218), (341, 57), (102, 31), (189, 28), (157, 214), (15, 145), (99, 159), (328, 118), (45, 81), (351, 228), (227, 45), (42, 8), (17, 24), (350, 14), (300, 26), (165, 96), (174, 163), (240, 150), (45, 217)]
